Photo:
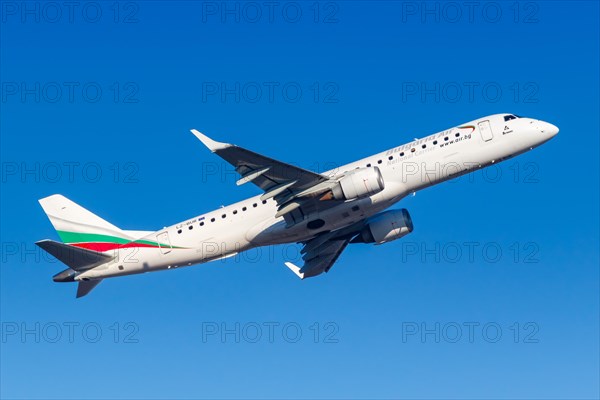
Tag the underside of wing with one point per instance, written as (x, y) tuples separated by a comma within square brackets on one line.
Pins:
[(319, 259), (293, 188)]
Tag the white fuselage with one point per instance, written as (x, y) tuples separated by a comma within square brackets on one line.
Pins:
[(406, 169)]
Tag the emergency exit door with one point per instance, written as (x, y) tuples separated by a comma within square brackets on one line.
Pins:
[(164, 243), (485, 129)]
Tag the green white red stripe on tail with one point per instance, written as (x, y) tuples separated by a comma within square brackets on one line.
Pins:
[(100, 242), (79, 227)]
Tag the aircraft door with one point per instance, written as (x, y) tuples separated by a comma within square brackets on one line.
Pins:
[(164, 242), (485, 129)]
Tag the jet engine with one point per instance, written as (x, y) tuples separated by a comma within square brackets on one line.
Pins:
[(385, 227), (356, 184)]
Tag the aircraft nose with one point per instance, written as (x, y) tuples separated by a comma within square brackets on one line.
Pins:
[(548, 129)]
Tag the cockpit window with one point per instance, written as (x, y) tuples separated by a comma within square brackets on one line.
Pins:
[(508, 117)]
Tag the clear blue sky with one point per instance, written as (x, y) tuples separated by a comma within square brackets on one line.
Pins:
[(494, 295)]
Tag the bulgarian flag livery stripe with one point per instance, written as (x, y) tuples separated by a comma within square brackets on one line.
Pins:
[(99, 242), (472, 127)]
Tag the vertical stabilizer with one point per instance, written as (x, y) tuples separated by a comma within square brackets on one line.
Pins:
[(79, 227)]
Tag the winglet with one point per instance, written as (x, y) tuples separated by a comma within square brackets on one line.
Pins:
[(208, 142), (295, 270)]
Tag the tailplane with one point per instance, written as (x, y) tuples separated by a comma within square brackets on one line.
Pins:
[(86, 286), (88, 240), (76, 258)]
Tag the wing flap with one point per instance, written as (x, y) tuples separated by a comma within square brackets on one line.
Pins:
[(277, 189), (251, 175)]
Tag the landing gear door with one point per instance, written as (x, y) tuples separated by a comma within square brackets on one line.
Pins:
[(485, 130), (164, 242)]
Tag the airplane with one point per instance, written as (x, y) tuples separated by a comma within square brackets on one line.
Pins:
[(323, 212)]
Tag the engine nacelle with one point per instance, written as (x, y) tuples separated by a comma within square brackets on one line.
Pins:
[(359, 183), (385, 227)]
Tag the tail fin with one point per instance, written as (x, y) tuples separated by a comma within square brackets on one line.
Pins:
[(86, 237), (79, 227)]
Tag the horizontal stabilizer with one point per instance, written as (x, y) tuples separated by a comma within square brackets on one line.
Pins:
[(75, 258), (87, 286)]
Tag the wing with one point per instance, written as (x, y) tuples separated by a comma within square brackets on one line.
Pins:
[(319, 255), (290, 186)]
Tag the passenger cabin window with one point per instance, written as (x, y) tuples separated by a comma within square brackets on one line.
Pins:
[(202, 223), (191, 227), (390, 157), (368, 165), (434, 142)]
